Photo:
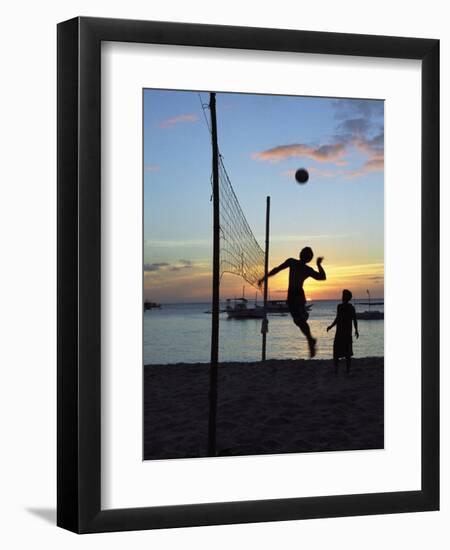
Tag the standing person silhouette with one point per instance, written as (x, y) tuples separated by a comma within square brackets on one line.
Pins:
[(343, 342), (299, 271)]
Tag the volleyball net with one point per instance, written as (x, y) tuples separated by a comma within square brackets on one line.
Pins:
[(240, 253)]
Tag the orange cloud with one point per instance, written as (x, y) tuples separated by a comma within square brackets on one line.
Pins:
[(372, 148), (351, 133), (323, 153), (371, 165), (170, 122)]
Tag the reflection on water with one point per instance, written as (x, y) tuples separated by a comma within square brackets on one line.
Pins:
[(182, 333)]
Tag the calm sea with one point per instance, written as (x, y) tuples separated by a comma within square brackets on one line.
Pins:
[(182, 333)]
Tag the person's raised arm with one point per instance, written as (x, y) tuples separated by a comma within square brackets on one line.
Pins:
[(320, 274), (275, 270)]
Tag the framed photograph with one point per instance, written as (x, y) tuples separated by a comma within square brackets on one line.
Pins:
[(248, 275)]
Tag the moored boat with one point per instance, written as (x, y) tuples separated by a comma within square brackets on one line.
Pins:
[(370, 314), (277, 306), (238, 309), (151, 305)]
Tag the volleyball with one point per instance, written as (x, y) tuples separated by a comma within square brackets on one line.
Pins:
[(301, 175)]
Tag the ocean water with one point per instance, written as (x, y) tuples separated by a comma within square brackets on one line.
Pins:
[(182, 333)]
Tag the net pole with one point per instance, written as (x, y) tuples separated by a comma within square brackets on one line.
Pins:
[(265, 325), (215, 286)]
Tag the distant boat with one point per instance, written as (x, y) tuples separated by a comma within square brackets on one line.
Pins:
[(151, 305), (281, 307), (238, 309), (370, 314), (210, 311), (277, 306)]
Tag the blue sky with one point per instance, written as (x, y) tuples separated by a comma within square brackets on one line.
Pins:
[(263, 139)]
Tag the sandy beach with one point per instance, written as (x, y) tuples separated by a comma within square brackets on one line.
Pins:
[(264, 408)]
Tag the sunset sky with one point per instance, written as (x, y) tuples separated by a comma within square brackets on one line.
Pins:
[(263, 140)]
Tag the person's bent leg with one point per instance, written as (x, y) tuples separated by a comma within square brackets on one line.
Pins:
[(304, 327)]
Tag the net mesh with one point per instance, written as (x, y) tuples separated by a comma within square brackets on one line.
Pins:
[(240, 253)]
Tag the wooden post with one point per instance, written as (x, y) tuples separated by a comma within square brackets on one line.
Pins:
[(215, 285), (265, 323)]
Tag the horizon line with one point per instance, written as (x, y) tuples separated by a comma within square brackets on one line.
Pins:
[(269, 300)]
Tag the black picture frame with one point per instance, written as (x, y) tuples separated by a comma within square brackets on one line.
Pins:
[(79, 276)]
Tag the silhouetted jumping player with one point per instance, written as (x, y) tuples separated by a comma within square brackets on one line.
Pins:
[(343, 342), (299, 271)]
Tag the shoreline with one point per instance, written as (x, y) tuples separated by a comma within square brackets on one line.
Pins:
[(356, 361)]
